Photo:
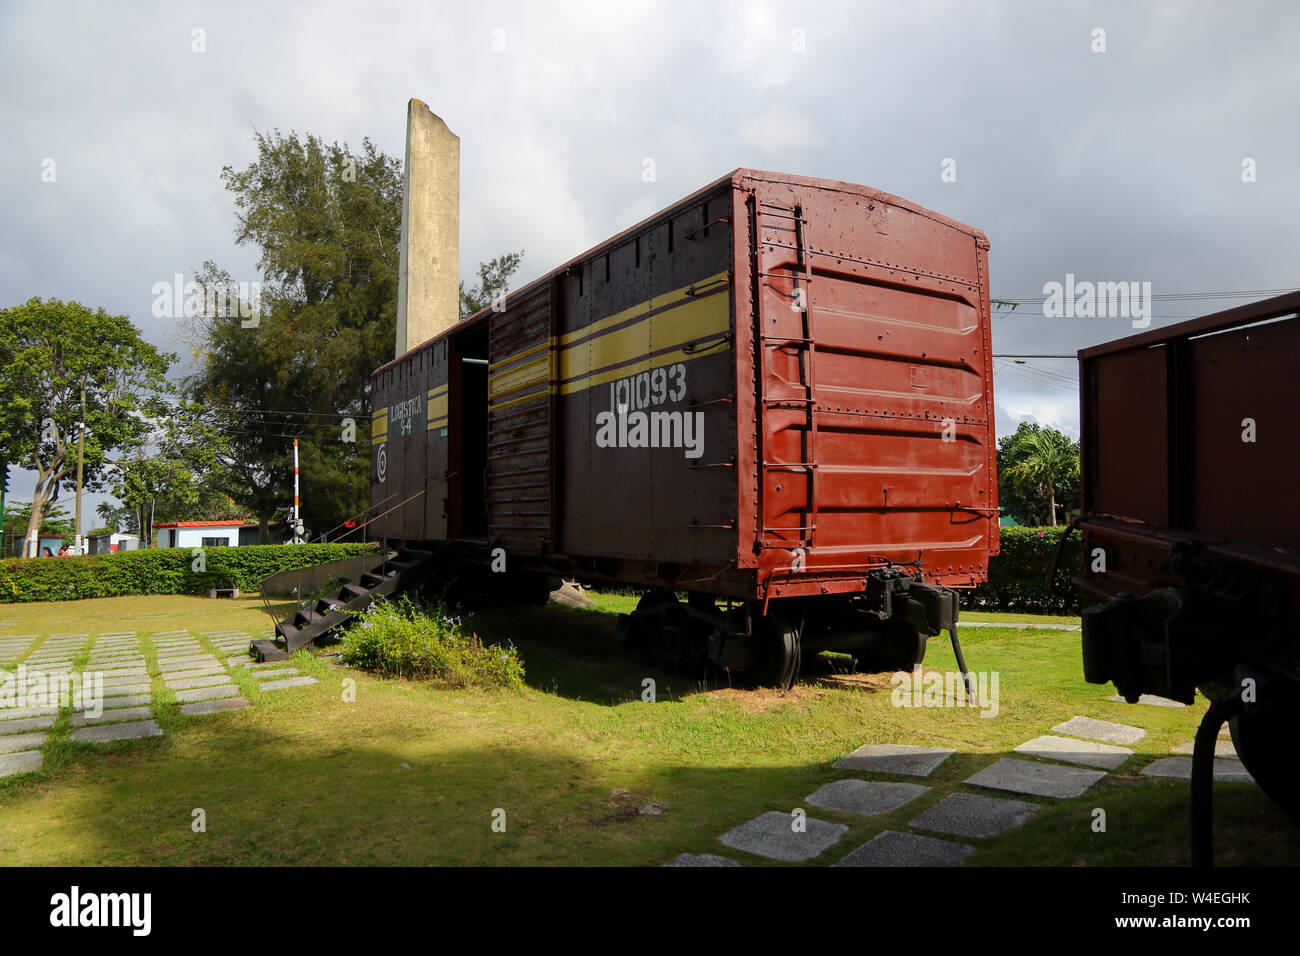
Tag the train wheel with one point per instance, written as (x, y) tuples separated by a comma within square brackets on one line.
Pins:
[(1265, 742), (650, 623), (777, 653)]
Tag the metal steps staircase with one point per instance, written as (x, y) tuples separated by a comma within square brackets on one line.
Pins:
[(388, 576)]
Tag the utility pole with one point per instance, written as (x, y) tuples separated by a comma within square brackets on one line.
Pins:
[(81, 458)]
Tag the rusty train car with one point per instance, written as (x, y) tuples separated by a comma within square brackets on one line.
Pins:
[(1190, 531), (774, 395)]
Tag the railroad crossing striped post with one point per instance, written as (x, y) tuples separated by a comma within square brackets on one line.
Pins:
[(294, 525)]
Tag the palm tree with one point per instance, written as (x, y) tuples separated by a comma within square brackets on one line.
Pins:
[(1045, 462)]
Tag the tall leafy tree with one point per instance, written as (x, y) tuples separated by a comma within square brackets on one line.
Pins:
[(326, 221), (53, 350), (1038, 471)]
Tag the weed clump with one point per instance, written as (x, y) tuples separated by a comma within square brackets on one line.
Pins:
[(401, 639)]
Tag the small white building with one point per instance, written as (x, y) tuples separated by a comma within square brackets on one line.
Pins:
[(110, 542), (199, 534)]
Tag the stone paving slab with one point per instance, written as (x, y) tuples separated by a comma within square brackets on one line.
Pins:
[(971, 815), (895, 758), (892, 848), (191, 682), (106, 733), (1222, 748), (206, 693), (702, 859), (1090, 753), (121, 672), (127, 690), (127, 679), (115, 716), (19, 713), (214, 706), (127, 700), (770, 835), (1225, 769), (1037, 779), (865, 797), (25, 762), (28, 723), (1151, 700), (188, 663), (17, 742), (198, 673), (288, 682), (268, 675)]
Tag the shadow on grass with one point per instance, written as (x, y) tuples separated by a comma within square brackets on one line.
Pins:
[(398, 796), (574, 654)]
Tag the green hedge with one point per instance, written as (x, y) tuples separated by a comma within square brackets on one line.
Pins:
[(1018, 575), (158, 571)]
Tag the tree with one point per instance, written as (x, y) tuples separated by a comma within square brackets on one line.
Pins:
[(327, 223), (493, 281), (1035, 464), (171, 466), (54, 350), (54, 521)]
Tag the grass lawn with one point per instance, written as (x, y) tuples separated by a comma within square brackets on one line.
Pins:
[(413, 774)]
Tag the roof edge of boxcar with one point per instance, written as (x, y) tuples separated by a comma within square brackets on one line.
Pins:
[(741, 172), (1276, 307), (867, 192)]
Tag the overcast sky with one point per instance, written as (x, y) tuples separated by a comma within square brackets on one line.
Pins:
[(1122, 165)]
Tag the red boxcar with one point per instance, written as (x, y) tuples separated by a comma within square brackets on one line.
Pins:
[(1189, 528), (775, 390)]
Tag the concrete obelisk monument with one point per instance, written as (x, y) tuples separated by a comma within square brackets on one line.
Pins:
[(428, 288)]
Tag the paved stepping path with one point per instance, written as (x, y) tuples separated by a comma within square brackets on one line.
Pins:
[(895, 758), (118, 668), (1036, 779), (892, 848), (1090, 753), (773, 835), (971, 815), (865, 797), (13, 648)]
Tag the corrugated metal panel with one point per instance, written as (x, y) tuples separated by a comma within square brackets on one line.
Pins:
[(521, 378), (875, 411)]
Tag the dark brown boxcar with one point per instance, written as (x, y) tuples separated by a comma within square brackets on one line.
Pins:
[(775, 388)]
